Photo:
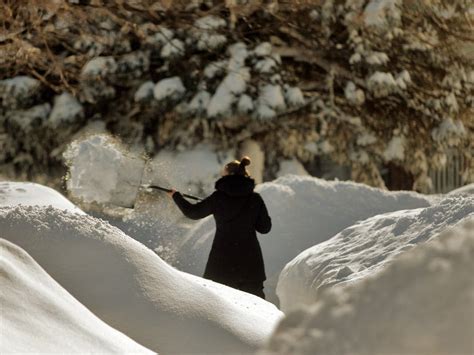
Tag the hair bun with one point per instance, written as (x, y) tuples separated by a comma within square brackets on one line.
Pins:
[(245, 161)]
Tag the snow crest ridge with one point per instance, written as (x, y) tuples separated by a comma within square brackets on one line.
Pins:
[(422, 303), (133, 290), (364, 249)]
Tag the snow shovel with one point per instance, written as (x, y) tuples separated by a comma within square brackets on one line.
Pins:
[(169, 190)]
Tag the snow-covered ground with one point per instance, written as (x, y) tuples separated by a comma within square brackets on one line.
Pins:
[(134, 291), (422, 303), (305, 211), (129, 287), (365, 248), (39, 316)]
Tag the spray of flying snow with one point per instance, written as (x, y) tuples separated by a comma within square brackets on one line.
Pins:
[(102, 170)]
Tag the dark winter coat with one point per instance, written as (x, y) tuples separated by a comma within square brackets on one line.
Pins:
[(239, 213)]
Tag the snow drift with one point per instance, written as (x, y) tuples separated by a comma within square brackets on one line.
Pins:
[(133, 290), (40, 316), (422, 303), (364, 248), (305, 211), (25, 193)]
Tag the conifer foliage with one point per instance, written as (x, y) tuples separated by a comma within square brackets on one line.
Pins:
[(368, 83)]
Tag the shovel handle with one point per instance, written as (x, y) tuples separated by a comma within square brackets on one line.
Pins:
[(169, 190)]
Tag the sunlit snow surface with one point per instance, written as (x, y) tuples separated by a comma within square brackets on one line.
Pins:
[(365, 248), (422, 303), (130, 288), (31, 194), (39, 316)]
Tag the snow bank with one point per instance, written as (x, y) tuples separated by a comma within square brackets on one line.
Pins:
[(464, 190), (40, 316), (128, 286), (305, 211), (30, 194), (423, 303), (364, 249)]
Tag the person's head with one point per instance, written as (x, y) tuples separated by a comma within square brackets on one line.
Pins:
[(236, 167)]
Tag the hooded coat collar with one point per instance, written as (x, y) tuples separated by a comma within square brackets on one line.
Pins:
[(235, 185)]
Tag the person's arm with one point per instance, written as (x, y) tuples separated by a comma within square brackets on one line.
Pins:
[(200, 210), (264, 222)]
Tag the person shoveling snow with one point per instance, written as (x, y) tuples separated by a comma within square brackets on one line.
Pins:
[(236, 258)]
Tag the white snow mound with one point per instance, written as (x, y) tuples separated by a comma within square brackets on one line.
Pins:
[(422, 303), (305, 211), (31, 194), (364, 249), (128, 286), (40, 316)]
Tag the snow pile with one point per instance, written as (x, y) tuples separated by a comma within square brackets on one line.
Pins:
[(30, 194), (364, 249), (102, 170), (40, 316), (423, 303), (465, 190), (305, 211), (128, 286)]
